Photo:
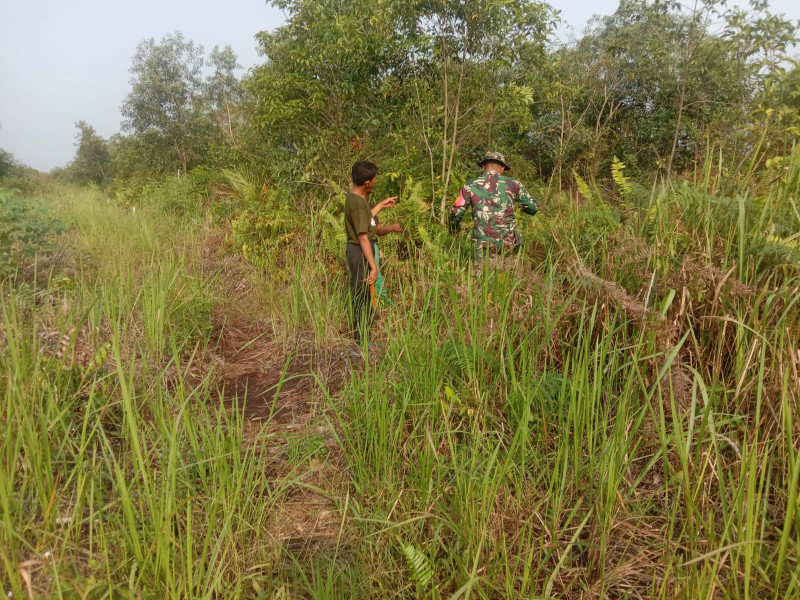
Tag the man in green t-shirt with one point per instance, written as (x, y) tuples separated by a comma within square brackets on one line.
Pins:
[(363, 229)]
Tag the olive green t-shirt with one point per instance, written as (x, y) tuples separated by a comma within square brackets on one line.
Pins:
[(358, 219)]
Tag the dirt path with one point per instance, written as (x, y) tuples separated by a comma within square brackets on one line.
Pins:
[(280, 387)]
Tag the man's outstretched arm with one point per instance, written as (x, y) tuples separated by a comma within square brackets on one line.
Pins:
[(529, 206), (387, 229)]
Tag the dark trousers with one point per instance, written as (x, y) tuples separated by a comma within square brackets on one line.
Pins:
[(360, 301)]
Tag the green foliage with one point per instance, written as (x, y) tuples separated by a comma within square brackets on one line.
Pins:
[(172, 111), (624, 186), (583, 187), (75, 379), (262, 229), (414, 215), (775, 251), (25, 229), (420, 566), (15, 175), (541, 400), (652, 81), (180, 195), (535, 403), (334, 236), (223, 92), (92, 161), (343, 79), (8, 164), (431, 243)]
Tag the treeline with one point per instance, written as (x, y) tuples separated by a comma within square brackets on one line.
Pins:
[(424, 88)]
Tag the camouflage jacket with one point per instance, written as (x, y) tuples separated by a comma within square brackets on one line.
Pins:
[(492, 197)]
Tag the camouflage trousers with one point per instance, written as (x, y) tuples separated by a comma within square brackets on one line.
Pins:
[(491, 250)]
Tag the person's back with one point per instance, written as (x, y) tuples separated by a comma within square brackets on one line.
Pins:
[(491, 196)]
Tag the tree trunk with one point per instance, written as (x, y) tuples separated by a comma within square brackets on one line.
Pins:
[(453, 143), (677, 127)]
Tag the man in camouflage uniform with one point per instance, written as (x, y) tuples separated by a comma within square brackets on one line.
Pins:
[(492, 197)]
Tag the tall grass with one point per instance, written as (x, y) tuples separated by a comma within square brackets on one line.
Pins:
[(615, 417), (122, 475)]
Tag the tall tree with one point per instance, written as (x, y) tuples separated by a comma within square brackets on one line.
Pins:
[(223, 90), (92, 160), (166, 96), (429, 83)]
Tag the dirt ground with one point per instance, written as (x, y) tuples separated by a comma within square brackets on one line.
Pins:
[(282, 388)]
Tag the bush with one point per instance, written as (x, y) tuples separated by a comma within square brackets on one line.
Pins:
[(25, 229), (179, 195), (263, 227)]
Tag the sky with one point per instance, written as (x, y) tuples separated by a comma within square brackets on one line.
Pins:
[(62, 62)]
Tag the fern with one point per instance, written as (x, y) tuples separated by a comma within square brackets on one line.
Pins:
[(334, 238), (624, 186), (242, 187), (459, 358), (419, 564), (429, 243), (781, 250), (583, 187)]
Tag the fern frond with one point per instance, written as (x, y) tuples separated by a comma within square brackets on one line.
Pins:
[(419, 564), (334, 237), (785, 250), (429, 243), (241, 187), (583, 187), (624, 185)]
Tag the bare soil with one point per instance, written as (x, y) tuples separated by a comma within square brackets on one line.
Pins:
[(282, 388)]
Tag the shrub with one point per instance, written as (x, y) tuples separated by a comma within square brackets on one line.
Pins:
[(25, 229)]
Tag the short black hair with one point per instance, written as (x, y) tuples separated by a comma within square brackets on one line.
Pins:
[(363, 171)]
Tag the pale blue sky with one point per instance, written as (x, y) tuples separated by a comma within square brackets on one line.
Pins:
[(61, 62)]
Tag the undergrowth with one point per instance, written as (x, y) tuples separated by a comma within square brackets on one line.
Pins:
[(611, 414)]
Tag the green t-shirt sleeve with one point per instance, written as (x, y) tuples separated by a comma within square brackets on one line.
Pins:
[(361, 218)]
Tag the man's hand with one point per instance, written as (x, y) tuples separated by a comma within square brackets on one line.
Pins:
[(388, 203), (387, 229), (366, 249)]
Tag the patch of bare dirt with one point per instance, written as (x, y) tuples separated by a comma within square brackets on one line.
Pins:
[(270, 379), (281, 387)]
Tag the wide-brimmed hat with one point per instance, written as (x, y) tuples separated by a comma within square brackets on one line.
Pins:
[(496, 157)]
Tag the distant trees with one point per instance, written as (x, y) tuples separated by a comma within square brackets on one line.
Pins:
[(176, 115), (162, 105), (222, 91), (657, 85), (425, 87), (92, 159), (7, 162)]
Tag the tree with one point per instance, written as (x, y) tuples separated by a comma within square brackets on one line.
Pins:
[(223, 91), (92, 159), (693, 32), (472, 53), (425, 84), (166, 97), (7, 163)]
